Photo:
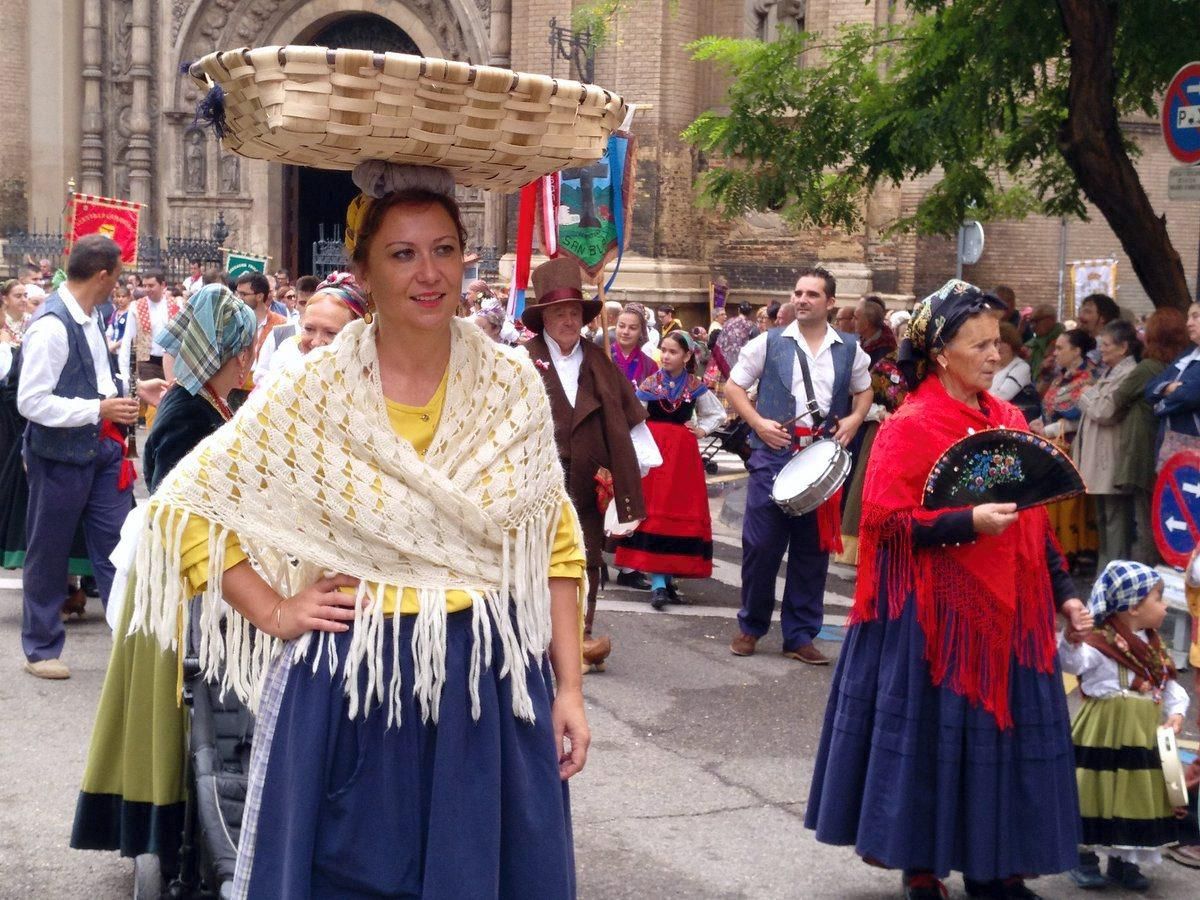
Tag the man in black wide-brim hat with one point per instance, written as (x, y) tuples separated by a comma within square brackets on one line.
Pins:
[(598, 422)]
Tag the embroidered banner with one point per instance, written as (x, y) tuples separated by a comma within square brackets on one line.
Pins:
[(595, 204), (116, 219), (1089, 276), (237, 264)]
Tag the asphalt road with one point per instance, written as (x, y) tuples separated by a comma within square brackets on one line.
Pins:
[(695, 788)]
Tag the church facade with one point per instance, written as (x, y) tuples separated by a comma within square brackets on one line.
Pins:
[(95, 96)]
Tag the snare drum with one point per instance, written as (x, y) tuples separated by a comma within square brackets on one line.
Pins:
[(811, 477)]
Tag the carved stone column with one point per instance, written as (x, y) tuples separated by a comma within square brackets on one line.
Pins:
[(495, 206), (91, 157), (141, 71)]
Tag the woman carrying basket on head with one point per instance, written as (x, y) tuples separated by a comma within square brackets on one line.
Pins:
[(392, 531)]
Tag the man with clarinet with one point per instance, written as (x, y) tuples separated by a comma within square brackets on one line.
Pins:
[(812, 381)]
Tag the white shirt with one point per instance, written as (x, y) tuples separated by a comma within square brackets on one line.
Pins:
[(158, 321), (5, 360), (1099, 676), (1007, 382), (44, 353), (752, 360), (568, 366), (264, 363), (193, 283)]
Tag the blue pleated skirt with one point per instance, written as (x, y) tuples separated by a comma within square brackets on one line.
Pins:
[(352, 809), (915, 777)]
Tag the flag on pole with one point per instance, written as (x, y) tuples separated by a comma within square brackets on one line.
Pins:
[(116, 219), (595, 207), (238, 264)]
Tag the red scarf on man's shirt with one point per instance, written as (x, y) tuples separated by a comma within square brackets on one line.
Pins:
[(977, 604)]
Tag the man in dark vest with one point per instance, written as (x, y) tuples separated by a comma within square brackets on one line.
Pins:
[(597, 418), (841, 386), (74, 452)]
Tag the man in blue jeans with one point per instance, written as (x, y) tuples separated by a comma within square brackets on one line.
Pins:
[(841, 389), (74, 453)]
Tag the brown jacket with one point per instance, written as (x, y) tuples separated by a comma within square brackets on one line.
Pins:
[(594, 435)]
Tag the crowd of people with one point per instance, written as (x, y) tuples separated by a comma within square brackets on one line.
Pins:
[(287, 512)]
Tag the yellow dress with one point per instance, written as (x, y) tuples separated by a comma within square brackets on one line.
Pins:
[(417, 425)]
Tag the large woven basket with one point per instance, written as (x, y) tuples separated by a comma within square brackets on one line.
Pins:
[(332, 109)]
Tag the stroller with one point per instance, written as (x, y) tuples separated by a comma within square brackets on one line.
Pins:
[(218, 765), (732, 437)]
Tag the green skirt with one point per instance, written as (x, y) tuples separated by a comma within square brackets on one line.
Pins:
[(133, 792), (1122, 792)]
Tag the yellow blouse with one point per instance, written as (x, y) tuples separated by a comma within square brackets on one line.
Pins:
[(417, 425)]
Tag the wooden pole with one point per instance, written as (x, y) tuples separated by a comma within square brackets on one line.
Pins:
[(603, 315)]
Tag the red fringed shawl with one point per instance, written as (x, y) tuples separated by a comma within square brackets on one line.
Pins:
[(980, 604)]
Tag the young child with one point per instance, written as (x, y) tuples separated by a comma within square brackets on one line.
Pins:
[(675, 538), (1128, 684)]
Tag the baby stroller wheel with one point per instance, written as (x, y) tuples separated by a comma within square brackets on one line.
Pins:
[(147, 877)]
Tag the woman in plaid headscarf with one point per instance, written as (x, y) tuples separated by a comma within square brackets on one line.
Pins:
[(132, 798)]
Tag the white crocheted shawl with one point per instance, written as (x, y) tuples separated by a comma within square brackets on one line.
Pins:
[(312, 479)]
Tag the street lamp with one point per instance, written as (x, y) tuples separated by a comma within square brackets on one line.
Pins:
[(576, 47)]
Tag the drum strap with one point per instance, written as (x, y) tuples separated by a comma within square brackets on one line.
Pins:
[(813, 410)]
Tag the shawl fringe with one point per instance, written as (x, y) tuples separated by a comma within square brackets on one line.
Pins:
[(503, 502), (979, 606)]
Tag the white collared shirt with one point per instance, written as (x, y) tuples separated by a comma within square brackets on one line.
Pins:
[(44, 353), (568, 366), (752, 360), (1185, 361), (1099, 676), (159, 317)]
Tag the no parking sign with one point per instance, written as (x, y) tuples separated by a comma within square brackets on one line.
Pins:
[(1176, 508), (1181, 114)]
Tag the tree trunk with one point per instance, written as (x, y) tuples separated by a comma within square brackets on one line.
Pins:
[(1090, 140)]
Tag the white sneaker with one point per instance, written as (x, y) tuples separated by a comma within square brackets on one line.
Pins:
[(50, 669)]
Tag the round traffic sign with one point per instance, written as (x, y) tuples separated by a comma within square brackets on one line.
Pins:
[(1181, 114), (1175, 509)]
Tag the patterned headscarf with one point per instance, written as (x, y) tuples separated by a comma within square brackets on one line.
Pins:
[(1121, 586), (936, 321), (640, 311), (214, 327), (343, 287)]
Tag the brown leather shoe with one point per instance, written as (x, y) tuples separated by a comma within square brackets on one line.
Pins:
[(595, 652), (75, 604), (743, 644), (808, 654)]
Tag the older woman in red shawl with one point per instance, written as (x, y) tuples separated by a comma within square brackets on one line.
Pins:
[(946, 743)]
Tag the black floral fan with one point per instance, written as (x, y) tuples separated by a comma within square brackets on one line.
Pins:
[(1001, 465)]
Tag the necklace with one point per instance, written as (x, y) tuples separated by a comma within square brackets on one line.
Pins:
[(217, 403)]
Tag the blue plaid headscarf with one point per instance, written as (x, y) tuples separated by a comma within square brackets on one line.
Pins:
[(1121, 586), (214, 327)]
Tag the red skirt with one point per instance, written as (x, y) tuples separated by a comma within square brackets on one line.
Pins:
[(675, 538)]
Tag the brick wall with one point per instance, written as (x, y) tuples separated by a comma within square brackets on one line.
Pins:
[(14, 137)]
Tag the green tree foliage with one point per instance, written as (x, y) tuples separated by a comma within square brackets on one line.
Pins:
[(1017, 104)]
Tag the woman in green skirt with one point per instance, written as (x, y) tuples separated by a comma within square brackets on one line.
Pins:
[(132, 799), (1129, 687)]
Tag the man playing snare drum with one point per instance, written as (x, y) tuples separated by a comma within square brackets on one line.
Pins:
[(841, 390)]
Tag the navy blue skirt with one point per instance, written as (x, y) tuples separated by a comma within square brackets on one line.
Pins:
[(353, 809), (915, 777)]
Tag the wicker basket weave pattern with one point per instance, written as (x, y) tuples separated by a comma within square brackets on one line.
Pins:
[(332, 109)]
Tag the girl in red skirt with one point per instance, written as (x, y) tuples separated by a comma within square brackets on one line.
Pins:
[(675, 539)]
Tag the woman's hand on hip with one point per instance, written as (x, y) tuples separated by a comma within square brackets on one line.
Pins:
[(570, 722), (319, 607), (993, 518)]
